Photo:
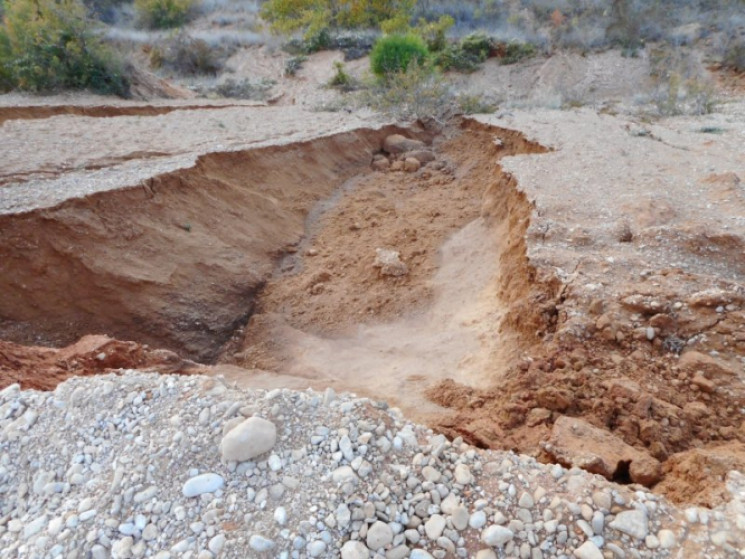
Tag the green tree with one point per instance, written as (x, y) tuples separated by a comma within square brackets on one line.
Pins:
[(50, 44)]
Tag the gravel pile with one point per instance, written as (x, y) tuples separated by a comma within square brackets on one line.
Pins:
[(143, 465)]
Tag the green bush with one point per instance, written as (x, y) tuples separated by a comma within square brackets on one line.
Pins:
[(394, 53), (164, 14), (48, 45)]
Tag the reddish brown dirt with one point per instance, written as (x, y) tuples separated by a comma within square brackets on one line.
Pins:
[(174, 262), (330, 286), (43, 368), (182, 261)]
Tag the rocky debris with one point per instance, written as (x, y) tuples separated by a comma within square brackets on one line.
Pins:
[(389, 262), (574, 441), (135, 469), (396, 144)]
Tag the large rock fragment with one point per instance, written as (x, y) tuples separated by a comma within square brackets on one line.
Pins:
[(249, 439), (396, 144), (574, 441)]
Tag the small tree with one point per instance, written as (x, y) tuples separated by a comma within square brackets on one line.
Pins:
[(49, 44)]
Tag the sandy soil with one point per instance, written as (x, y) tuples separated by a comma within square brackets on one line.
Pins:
[(560, 263)]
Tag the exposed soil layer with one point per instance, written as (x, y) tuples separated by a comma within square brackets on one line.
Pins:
[(519, 311), (43, 368), (176, 261)]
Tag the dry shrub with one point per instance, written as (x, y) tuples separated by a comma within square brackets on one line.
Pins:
[(187, 56)]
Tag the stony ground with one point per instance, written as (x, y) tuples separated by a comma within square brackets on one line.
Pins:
[(145, 465)]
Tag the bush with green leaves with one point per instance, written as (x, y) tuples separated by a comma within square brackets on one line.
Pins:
[(394, 53), (48, 45), (164, 14)]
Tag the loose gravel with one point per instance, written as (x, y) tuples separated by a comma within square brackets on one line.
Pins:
[(144, 465)]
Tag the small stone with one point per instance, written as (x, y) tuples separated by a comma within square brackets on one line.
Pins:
[(631, 522), (463, 474), (652, 542), (354, 550), (526, 500), (497, 536), (344, 474), (316, 548), (486, 554), (418, 554), (280, 516), (588, 550), (460, 518), (598, 522), (434, 526), (216, 544), (249, 439), (204, 483), (260, 543), (379, 535), (150, 532), (389, 262), (34, 527), (667, 539), (477, 520)]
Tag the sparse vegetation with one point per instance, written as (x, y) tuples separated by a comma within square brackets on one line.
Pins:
[(187, 56), (48, 45), (293, 64), (341, 80), (475, 104), (734, 56), (683, 86), (393, 54), (164, 14), (245, 89), (418, 92)]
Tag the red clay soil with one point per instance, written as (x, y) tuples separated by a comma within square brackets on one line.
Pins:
[(43, 368)]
